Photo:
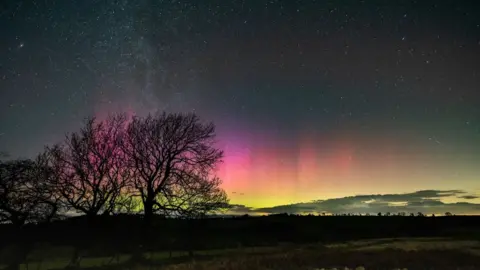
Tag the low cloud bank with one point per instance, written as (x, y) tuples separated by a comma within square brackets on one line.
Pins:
[(425, 201)]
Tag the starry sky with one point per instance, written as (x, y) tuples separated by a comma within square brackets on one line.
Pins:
[(314, 101)]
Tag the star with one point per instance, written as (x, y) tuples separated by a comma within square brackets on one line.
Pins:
[(328, 79)]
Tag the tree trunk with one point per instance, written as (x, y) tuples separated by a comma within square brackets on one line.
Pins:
[(138, 254), (148, 211)]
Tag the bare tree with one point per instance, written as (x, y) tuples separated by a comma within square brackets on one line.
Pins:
[(25, 192), (43, 188), (191, 196), (126, 203), (90, 166), (15, 203), (26, 195), (172, 157)]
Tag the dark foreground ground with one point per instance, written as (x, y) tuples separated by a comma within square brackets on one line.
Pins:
[(275, 242), (310, 257)]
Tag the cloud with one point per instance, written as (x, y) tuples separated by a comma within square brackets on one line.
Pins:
[(425, 201), (236, 209), (469, 197)]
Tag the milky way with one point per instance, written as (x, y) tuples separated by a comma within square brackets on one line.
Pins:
[(312, 99)]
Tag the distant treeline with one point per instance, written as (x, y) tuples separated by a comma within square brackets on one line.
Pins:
[(107, 235)]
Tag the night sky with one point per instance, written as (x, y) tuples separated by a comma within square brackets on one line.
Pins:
[(313, 100)]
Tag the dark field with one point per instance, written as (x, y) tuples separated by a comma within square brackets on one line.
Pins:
[(274, 242)]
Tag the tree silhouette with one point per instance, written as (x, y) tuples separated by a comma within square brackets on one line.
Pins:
[(126, 203), (90, 166), (191, 196), (25, 192), (44, 189), (172, 157), (448, 214)]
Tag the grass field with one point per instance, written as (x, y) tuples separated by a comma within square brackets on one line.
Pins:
[(410, 253)]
